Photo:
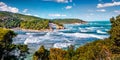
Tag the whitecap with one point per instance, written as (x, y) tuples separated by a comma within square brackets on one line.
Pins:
[(61, 45), (101, 32), (83, 35), (32, 40)]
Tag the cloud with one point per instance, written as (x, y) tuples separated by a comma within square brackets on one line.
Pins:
[(28, 14), (101, 10), (57, 15), (36, 15), (117, 11), (4, 7), (60, 1), (25, 10), (70, 0), (68, 7), (108, 4)]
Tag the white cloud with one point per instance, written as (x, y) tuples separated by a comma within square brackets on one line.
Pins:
[(36, 15), (101, 10), (4, 7), (117, 11), (57, 15), (108, 4), (60, 1), (70, 0), (68, 7), (28, 14), (47, 0), (25, 10)]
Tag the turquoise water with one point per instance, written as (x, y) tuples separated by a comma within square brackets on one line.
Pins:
[(74, 34)]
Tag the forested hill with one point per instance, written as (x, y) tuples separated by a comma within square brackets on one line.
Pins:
[(13, 20), (68, 21), (9, 15)]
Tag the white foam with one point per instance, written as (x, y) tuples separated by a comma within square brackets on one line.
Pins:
[(32, 40), (83, 35), (84, 30), (61, 45), (30, 33), (93, 27), (106, 29), (101, 32), (99, 36)]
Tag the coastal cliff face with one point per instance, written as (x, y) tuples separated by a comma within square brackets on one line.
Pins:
[(60, 27)]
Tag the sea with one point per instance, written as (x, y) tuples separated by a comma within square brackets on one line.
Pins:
[(74, 34)]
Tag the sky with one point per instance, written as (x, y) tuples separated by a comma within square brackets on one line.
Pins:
[(88, 10)]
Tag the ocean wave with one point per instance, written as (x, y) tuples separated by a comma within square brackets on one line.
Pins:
[(61, 45), (86, 30), (101, 32), (32, 39), (83, 35), (94, 27), (36, 34)]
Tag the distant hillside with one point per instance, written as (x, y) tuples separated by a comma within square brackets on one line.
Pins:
[(14, 20), (68, 21), (9, 15)]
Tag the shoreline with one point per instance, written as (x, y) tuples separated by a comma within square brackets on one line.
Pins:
[(31, 30), (42, 30)]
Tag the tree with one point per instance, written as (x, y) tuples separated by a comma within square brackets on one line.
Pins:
[(57, 54), (115, 30), (70, 52), (7, 49), (41, 54)]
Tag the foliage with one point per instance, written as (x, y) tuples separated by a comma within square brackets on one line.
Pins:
[(106, 49), (41, 54), (35, 24), (68, 21), (14, 20), (7, 49)]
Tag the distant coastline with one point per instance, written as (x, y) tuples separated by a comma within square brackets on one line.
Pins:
[(42, 30), (18, 21)]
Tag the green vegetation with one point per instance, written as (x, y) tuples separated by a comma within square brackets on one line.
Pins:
[(67, 21), (41, 54), (107, 49), (14, 20), (35, 24), (7, 49)]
